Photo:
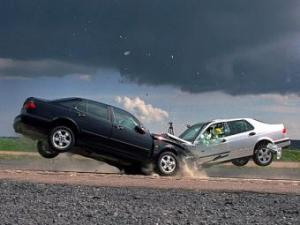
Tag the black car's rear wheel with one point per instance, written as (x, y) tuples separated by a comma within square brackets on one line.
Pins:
[(61, 139), (241, 161), (45, 150), (167, 164)]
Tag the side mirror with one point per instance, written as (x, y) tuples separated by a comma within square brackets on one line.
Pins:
[(140, 130)]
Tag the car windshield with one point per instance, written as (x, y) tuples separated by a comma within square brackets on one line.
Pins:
[(192, 132)]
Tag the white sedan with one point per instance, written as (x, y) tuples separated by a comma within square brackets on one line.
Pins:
[(235, 140)]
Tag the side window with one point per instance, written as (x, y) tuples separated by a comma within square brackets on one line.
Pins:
[(239, 126), (81, 106), (97, 110), (125, 119), (75, 104), (216, 130), (214, 133)]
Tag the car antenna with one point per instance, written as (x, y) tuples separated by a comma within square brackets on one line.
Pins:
[(171, 129)]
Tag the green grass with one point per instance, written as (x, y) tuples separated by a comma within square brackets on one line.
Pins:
[(17, 144), (290, 155), (27, 145)]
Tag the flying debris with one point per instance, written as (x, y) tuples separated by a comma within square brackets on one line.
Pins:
[(127, 53)]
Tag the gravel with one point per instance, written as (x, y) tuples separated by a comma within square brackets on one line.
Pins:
[(29, 203)]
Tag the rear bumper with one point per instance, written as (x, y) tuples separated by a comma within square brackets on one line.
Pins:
[(22, 126), (285, 143)]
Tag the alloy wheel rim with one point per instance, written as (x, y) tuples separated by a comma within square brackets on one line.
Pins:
[(61, 139), (264, 155), (168, 164)]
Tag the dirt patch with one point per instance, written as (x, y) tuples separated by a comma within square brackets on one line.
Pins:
[(211, 184)]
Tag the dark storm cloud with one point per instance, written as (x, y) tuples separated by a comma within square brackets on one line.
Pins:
[(235, 46)]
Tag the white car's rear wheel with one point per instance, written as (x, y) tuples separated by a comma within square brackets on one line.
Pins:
[(262, 155)]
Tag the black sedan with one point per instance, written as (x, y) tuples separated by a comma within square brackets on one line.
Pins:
[(101, 131)]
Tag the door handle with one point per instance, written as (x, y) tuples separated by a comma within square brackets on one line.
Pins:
[(80, 114), (119, 127), (252, 134)]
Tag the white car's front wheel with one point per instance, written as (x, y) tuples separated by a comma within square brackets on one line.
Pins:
[(263, 156)]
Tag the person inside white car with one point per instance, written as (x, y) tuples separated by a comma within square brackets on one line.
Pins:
[(213, 134)]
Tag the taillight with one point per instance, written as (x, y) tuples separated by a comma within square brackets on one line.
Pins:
[(30, 105), (284, 130)]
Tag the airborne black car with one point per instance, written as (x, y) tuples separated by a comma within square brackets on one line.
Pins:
[(103, 131)]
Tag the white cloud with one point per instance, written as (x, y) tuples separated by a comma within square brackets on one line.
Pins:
[(146, 112)]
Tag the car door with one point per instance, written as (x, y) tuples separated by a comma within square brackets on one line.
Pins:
[(134, 144), (241, 138), (95, 123), (211, 145)]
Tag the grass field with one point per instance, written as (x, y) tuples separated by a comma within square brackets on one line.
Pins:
[(17, 144), (27, 145), (291, 155)]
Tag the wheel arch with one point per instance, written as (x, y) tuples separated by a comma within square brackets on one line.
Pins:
[(262, 141), (163, 149), (63, 121), (168, 149)]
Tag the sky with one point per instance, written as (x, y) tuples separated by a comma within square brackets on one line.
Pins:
[(180, 61)]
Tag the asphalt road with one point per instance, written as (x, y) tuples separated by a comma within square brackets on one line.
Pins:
[(33, 191), (32, 203), (115, 180), (69, 162)]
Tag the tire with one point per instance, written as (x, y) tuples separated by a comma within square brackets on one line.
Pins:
[(262, 155), (61, 139), (241, 161), (167, 164), (45, 150)]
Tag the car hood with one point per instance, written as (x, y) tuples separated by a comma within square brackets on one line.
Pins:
[(171, 139)]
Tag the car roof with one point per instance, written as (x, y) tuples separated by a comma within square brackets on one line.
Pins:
[(77, 98), (65, 99), (222, 120), (89, 100), (231, 119)]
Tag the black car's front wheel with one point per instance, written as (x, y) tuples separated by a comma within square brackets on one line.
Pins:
[(167, 164), (45, 150), (61, 139)]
